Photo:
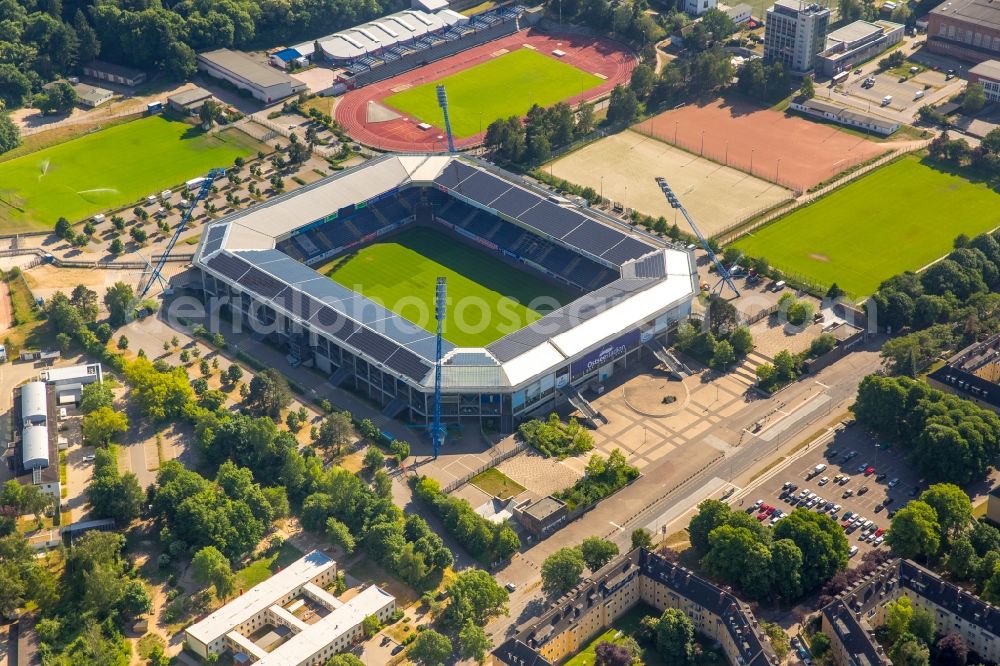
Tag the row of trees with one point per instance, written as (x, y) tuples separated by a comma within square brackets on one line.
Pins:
[(948, 439), (541, 131), (984, 158), (794, 558), (485, 540), (958, 292), (112, 494)]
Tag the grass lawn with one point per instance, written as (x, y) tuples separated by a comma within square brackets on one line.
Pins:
[(110, 168), (504, 86), (260, 570), (496, 483), (486, 296), (900, 217)]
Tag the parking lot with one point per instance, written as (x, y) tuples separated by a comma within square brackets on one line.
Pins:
[(904, 93), (850, 454)]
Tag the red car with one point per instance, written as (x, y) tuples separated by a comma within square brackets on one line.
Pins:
[(880, 531), (761, 516), (869, 471), (769, 510)]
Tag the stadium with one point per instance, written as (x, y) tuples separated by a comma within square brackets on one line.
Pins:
[(341, 274)]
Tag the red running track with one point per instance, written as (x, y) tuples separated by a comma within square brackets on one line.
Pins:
[(596, 55)]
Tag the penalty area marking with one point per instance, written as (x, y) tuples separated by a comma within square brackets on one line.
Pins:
[(499, 52)]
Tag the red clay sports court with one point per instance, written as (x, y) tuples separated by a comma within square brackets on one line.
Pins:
[(603, 57)]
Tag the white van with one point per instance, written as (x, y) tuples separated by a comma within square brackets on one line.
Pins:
[(887, 100), (779, 285), (920, 93)]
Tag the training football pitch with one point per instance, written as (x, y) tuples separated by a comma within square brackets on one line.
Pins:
[(900, 217), (487, 298), (502, 87), (110, 168)]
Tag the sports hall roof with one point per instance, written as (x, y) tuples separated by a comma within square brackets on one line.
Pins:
[(241, 250)]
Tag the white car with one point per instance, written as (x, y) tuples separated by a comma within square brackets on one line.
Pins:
[(853, 551), (825, 480), (88, 458)]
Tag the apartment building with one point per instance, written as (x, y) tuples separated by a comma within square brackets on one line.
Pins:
[(794, 33)]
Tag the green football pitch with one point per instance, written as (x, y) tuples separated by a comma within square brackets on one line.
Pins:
[(499, 88), (110, 168), (900, 217), (487, 298)]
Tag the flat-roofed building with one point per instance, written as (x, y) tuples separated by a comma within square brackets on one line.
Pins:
[(869, 122), (112, 73), (988, 74), (857, 42), (794, 33), (263, 82), (965, 29), (268, 625), (189, 101)]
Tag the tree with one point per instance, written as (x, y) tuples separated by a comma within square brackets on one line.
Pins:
[(10, 134), (820, 644), (96, 395), (808, 89), (597, 552), (822, 542), (952, 650), (897, 618), (974, 99), (623, 105), (374, 459), (642, 80), (135, 599), (722, 356), (741, 340), (59, 97), (776, 635), (923, 626), (473, 643), (400, 449), (117, 247), (120, 301), (371, 625), (430, 648), (209, 112), (344, 659), (786, 563), (101, 425), (475, 597), (611, 654), (952, 506), (269, 393), (675, 637), (961, 559), (561, 570), (909, 651), (642, 538), (15, 87), (210, 567), (915, 531), (340, 535), (336, 430)]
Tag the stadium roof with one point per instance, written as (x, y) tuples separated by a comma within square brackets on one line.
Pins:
[(241, 251), (381, 33)]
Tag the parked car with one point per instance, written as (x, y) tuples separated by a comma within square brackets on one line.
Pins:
[(825, 480), (893, 483), (869, 471), (88, 458), (844, 481), (862, 490), (853, 551), (880, 476), (511, 587)]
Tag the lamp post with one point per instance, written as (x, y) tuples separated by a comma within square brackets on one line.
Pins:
[(776, 169), (702, 143), (751, 161)]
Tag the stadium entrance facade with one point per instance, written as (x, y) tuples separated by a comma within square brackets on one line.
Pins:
[(628, 290)]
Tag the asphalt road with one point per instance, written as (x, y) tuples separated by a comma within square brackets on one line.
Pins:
[(808, 404)]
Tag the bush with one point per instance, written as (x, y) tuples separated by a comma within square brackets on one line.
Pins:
[(603, 477), (555, 439)]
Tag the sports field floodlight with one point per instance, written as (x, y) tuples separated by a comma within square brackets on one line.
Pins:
[(443, 103), (674, 202), (440, 311)]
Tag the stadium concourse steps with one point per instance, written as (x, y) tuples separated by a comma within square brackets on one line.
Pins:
[(392, 62)]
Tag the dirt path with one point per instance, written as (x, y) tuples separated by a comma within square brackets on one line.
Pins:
[(6, 308)]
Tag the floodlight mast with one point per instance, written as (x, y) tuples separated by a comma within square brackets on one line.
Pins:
[(675, 203), (443, 103), (440, 303), (206, 186)]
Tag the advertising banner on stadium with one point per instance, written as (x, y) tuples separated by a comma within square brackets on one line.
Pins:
[(473, 237), (606, 353)]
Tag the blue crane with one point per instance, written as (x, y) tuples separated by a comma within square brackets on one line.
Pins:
[(440, 304), (206, 187), (675, 203)]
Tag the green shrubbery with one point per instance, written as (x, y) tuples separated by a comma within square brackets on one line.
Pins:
[(603, 477), (555, 439)]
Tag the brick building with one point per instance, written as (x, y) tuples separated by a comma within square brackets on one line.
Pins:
[(965, 29)]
